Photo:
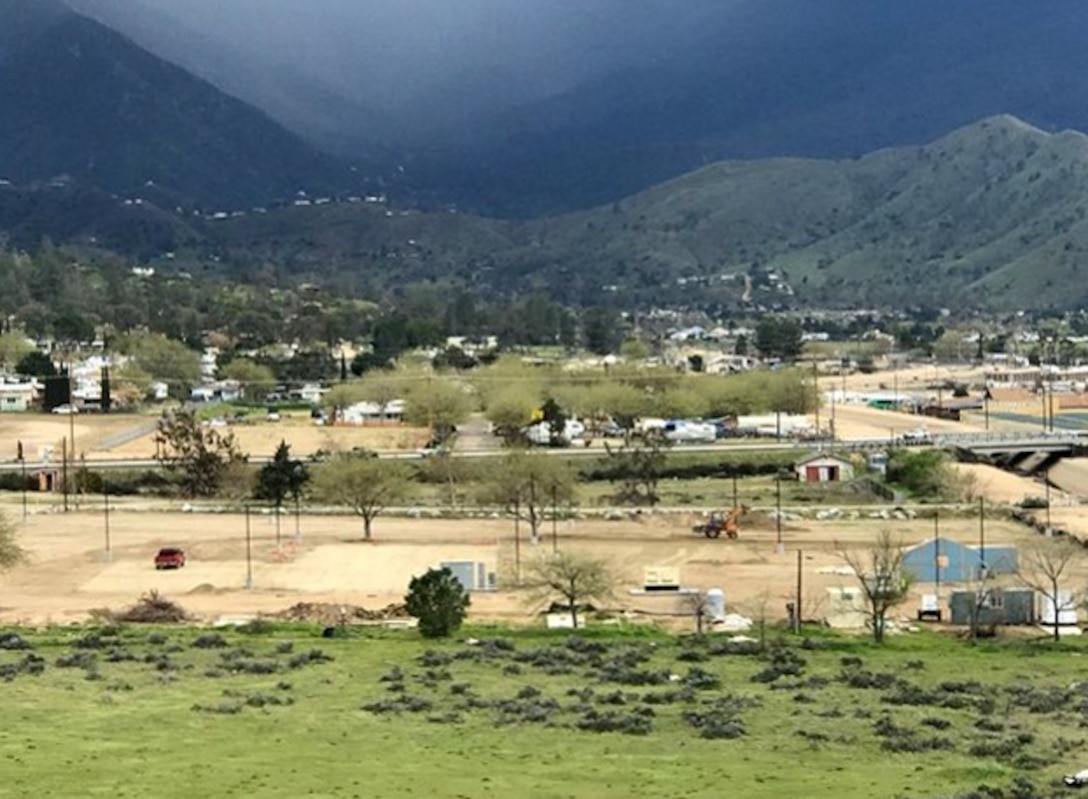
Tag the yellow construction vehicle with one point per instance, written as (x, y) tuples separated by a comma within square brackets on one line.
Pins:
[(719, 522)]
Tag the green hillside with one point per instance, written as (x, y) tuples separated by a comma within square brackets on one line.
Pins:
[(991, 216)]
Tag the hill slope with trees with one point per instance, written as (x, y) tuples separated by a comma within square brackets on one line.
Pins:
[(992, 216)]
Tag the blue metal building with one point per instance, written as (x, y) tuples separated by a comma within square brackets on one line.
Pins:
[(948, 561)]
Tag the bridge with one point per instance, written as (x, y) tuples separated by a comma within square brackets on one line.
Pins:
[(1023, 452)]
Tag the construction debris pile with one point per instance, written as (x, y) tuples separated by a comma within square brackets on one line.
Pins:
[(329, 613), (153, 608)]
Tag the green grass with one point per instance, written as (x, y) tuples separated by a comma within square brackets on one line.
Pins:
[(135, 730)]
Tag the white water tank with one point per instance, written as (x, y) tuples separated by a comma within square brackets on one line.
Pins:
[(715, 603)]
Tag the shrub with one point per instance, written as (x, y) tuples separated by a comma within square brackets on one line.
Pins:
[(13, 641), (439, 601), (701, 680), (313, 657), (256, 627), (634, 723), (210, 641), (76, 660)]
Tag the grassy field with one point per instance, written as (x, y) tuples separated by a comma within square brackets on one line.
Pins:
[(139, 712)]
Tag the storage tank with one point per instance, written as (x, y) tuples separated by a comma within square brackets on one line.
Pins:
[(715, 603)]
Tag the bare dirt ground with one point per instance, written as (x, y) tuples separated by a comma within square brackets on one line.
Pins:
[(38, 431), (69, 574), (912, 379), (101, 436), (854, 422), (1000, 486), (260, 438)]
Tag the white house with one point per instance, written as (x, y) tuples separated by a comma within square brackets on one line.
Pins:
[(372, 412), (310, 392), (17, 397)]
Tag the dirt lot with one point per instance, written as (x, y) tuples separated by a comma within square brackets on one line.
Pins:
[(69, 573), (99, 436), (854, 422), (998, 485)]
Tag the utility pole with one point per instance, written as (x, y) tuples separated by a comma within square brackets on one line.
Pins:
[(982, 536), (249, 553), (779, 548), (816, 392), (937, 554), (797, 606), (22, 464), (71, 427), (64, 470), (517, 542), (106, 506), (1046, 482), (736, 502), (555, 521), (298, 523)]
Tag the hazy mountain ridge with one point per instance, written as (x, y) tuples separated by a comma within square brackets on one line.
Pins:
[(567, 105), (80, 100)]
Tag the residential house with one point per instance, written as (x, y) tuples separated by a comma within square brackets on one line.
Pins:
[(16, 397), (373, 413)]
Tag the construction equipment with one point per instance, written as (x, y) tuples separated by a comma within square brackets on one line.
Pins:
[(719, 522)]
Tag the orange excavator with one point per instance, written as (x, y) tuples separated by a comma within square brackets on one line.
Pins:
[(719, 522)]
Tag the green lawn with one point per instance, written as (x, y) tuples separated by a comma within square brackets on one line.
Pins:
[(501, 719)]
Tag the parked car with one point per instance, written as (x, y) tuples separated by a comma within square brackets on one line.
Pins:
[(66, 409), (170, 558)]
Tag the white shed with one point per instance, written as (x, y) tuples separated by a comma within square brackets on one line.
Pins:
[(822, 468)]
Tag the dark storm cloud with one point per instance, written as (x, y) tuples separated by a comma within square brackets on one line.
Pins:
[(388, 54)]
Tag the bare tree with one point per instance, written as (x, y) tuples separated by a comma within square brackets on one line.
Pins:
[(983, 595), (11, 554), (1046, 567), (697, 604), (758, 609), (884, 583), (576, 578)]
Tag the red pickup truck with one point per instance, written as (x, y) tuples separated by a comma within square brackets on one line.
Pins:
[(170, 558)]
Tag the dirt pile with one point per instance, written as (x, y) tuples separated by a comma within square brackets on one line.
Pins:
[(331, 613)]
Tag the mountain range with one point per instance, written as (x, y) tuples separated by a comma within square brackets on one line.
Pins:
[(109, 147), (83, 102), (993, 216), (520, 109)]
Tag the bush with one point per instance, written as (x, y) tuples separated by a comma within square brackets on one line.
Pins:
[(12, 641), (210, 641), (313, 657), (439, 601)]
